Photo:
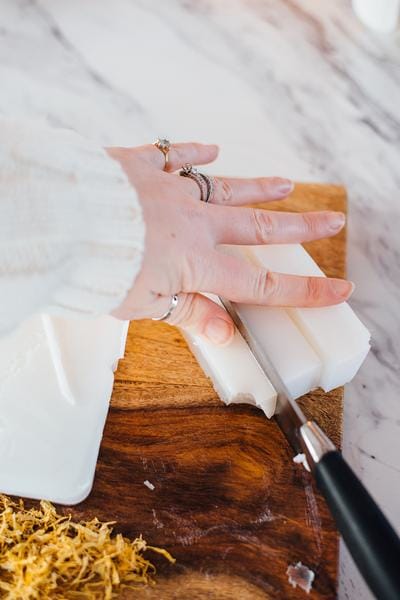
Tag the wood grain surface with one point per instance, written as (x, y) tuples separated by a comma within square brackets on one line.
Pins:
[(229, 503)]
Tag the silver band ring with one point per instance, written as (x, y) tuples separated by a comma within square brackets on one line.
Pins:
[(205, 182), (172, 306), (164, 146), (210, 186), (189, 171)]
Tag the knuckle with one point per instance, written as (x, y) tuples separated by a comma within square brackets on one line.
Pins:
[(217, 197), (264, 185), (310, 223), (313, 289), (222, 192), (263, 225), (265, 286), (226, 192)]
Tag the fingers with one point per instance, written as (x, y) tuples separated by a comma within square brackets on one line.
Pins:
[(236, 191), (202, 316), (258, 226), (241, 281), (180, 154)]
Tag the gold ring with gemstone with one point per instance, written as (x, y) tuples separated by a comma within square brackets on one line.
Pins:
[(164, 146)]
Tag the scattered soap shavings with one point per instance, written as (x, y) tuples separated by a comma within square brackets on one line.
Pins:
[(300, 575), (301, 459), (148, 484)]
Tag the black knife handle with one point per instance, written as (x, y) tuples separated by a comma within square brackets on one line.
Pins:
[(371, 540)]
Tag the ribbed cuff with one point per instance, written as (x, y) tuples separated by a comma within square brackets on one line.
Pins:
[(109, 254)]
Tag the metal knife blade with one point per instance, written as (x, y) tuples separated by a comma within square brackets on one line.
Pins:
[(288, 414), (371, 540)]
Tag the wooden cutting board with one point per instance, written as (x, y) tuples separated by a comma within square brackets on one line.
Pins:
[(229, 503)]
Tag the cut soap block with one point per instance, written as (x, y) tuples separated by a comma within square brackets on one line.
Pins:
[(336, 334), (277, 336), (48, 442), (233, 370)]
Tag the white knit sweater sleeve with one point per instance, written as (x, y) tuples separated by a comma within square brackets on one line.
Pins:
[(71, 226)]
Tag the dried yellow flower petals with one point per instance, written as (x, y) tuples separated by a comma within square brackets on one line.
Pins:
[(44, 555)]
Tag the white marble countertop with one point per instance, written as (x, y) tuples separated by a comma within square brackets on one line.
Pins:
[(293, 88)]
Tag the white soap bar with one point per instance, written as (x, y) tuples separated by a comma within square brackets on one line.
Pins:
[(336, 334), (278, 337), (234, 372), (60, 370), (48, 445)]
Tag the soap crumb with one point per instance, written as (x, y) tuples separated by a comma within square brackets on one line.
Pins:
[(300, 575), (301, 459), (148, 484)]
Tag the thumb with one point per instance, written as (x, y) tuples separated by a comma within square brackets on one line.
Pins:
[(201, 316)]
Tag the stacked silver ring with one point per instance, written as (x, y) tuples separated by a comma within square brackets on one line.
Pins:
[(205, 182)]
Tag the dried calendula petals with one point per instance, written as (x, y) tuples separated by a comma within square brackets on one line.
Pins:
[(45, 555)]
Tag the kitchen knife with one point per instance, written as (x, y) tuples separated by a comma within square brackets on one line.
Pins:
[(371, 540)]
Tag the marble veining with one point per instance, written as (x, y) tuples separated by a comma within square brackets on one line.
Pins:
[(294, 88)]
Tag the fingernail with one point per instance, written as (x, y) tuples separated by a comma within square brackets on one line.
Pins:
[(218, 331), (343, 288), (283, 186), (336, 221)]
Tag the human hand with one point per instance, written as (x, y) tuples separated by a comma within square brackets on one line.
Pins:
[(183, 235)]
